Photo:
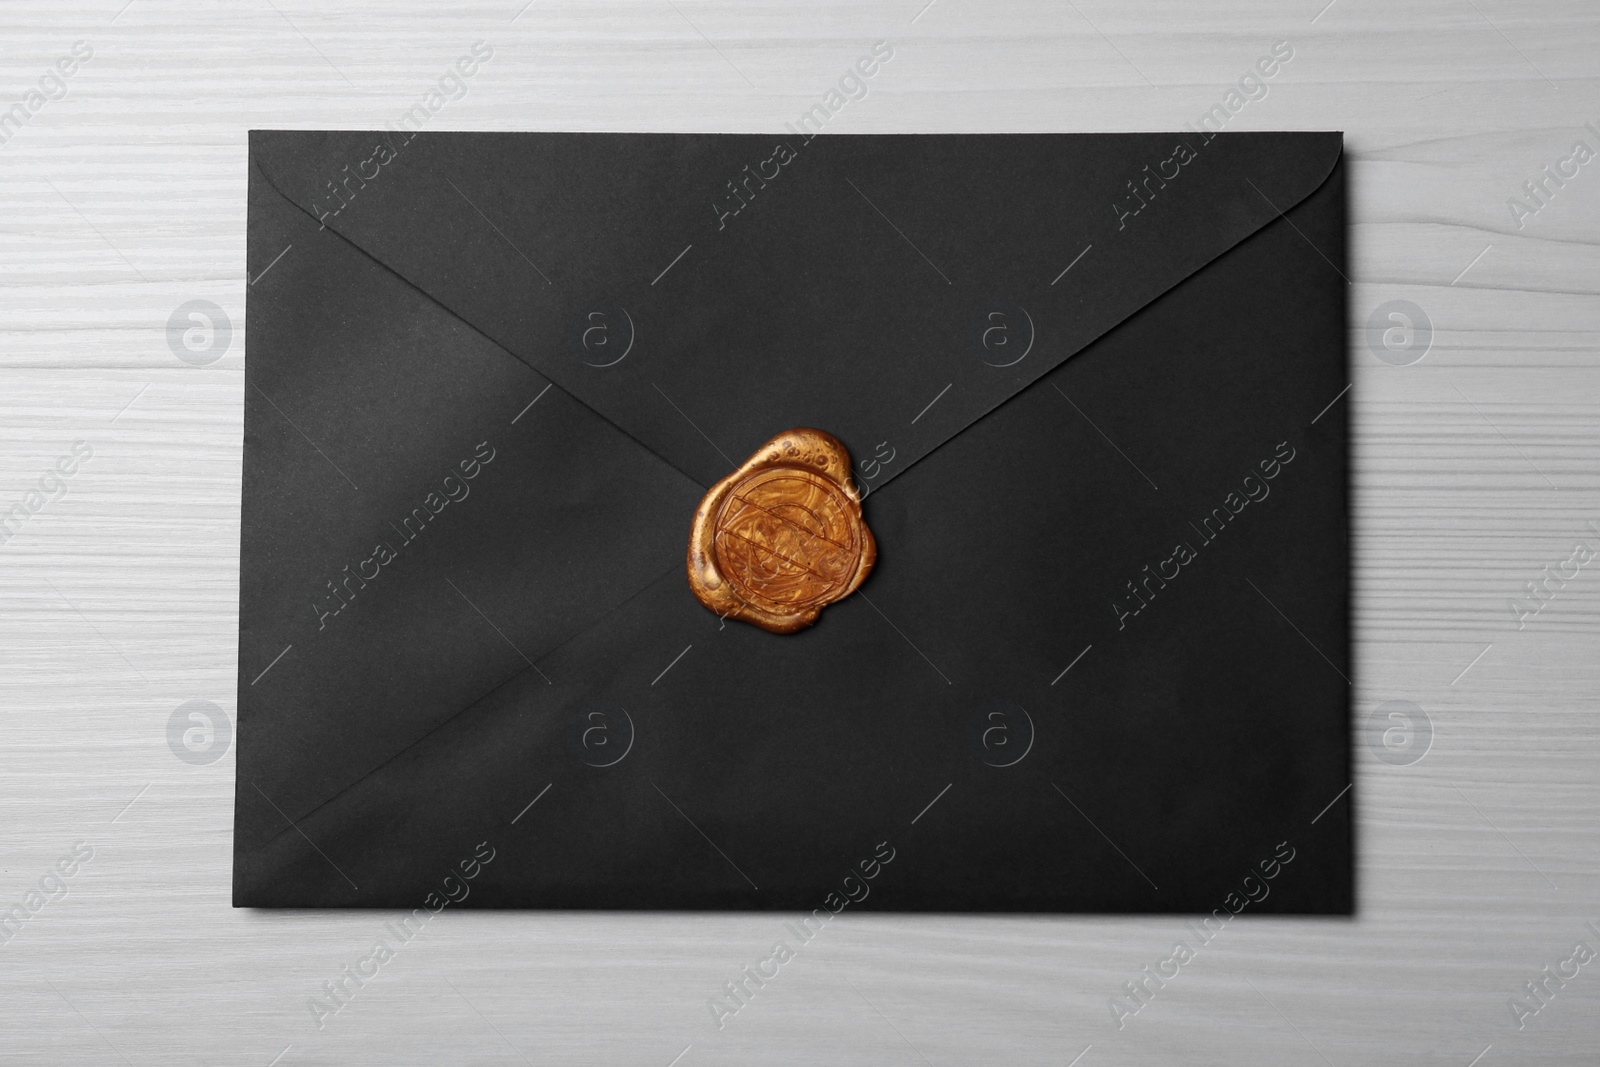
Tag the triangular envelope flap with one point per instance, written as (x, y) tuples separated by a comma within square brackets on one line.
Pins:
[(703, 290), (419, 519)]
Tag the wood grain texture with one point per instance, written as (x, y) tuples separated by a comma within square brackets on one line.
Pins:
[(1476, 467)]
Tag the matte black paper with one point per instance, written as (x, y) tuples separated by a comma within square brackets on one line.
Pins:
[(1091, 383)]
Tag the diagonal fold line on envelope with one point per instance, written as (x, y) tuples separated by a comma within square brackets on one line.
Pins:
[(510, 679), (467, 323)]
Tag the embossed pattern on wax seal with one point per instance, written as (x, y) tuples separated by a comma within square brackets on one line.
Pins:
[(782, 537)]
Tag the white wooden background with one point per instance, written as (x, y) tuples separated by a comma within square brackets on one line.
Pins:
[(1476, 466)]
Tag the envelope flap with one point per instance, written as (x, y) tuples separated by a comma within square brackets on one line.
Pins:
[(702, 291)]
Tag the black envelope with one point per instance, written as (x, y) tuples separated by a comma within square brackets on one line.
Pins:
[(1092, 387)]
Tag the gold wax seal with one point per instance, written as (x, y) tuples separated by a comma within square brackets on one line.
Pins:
[(782, 537)]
